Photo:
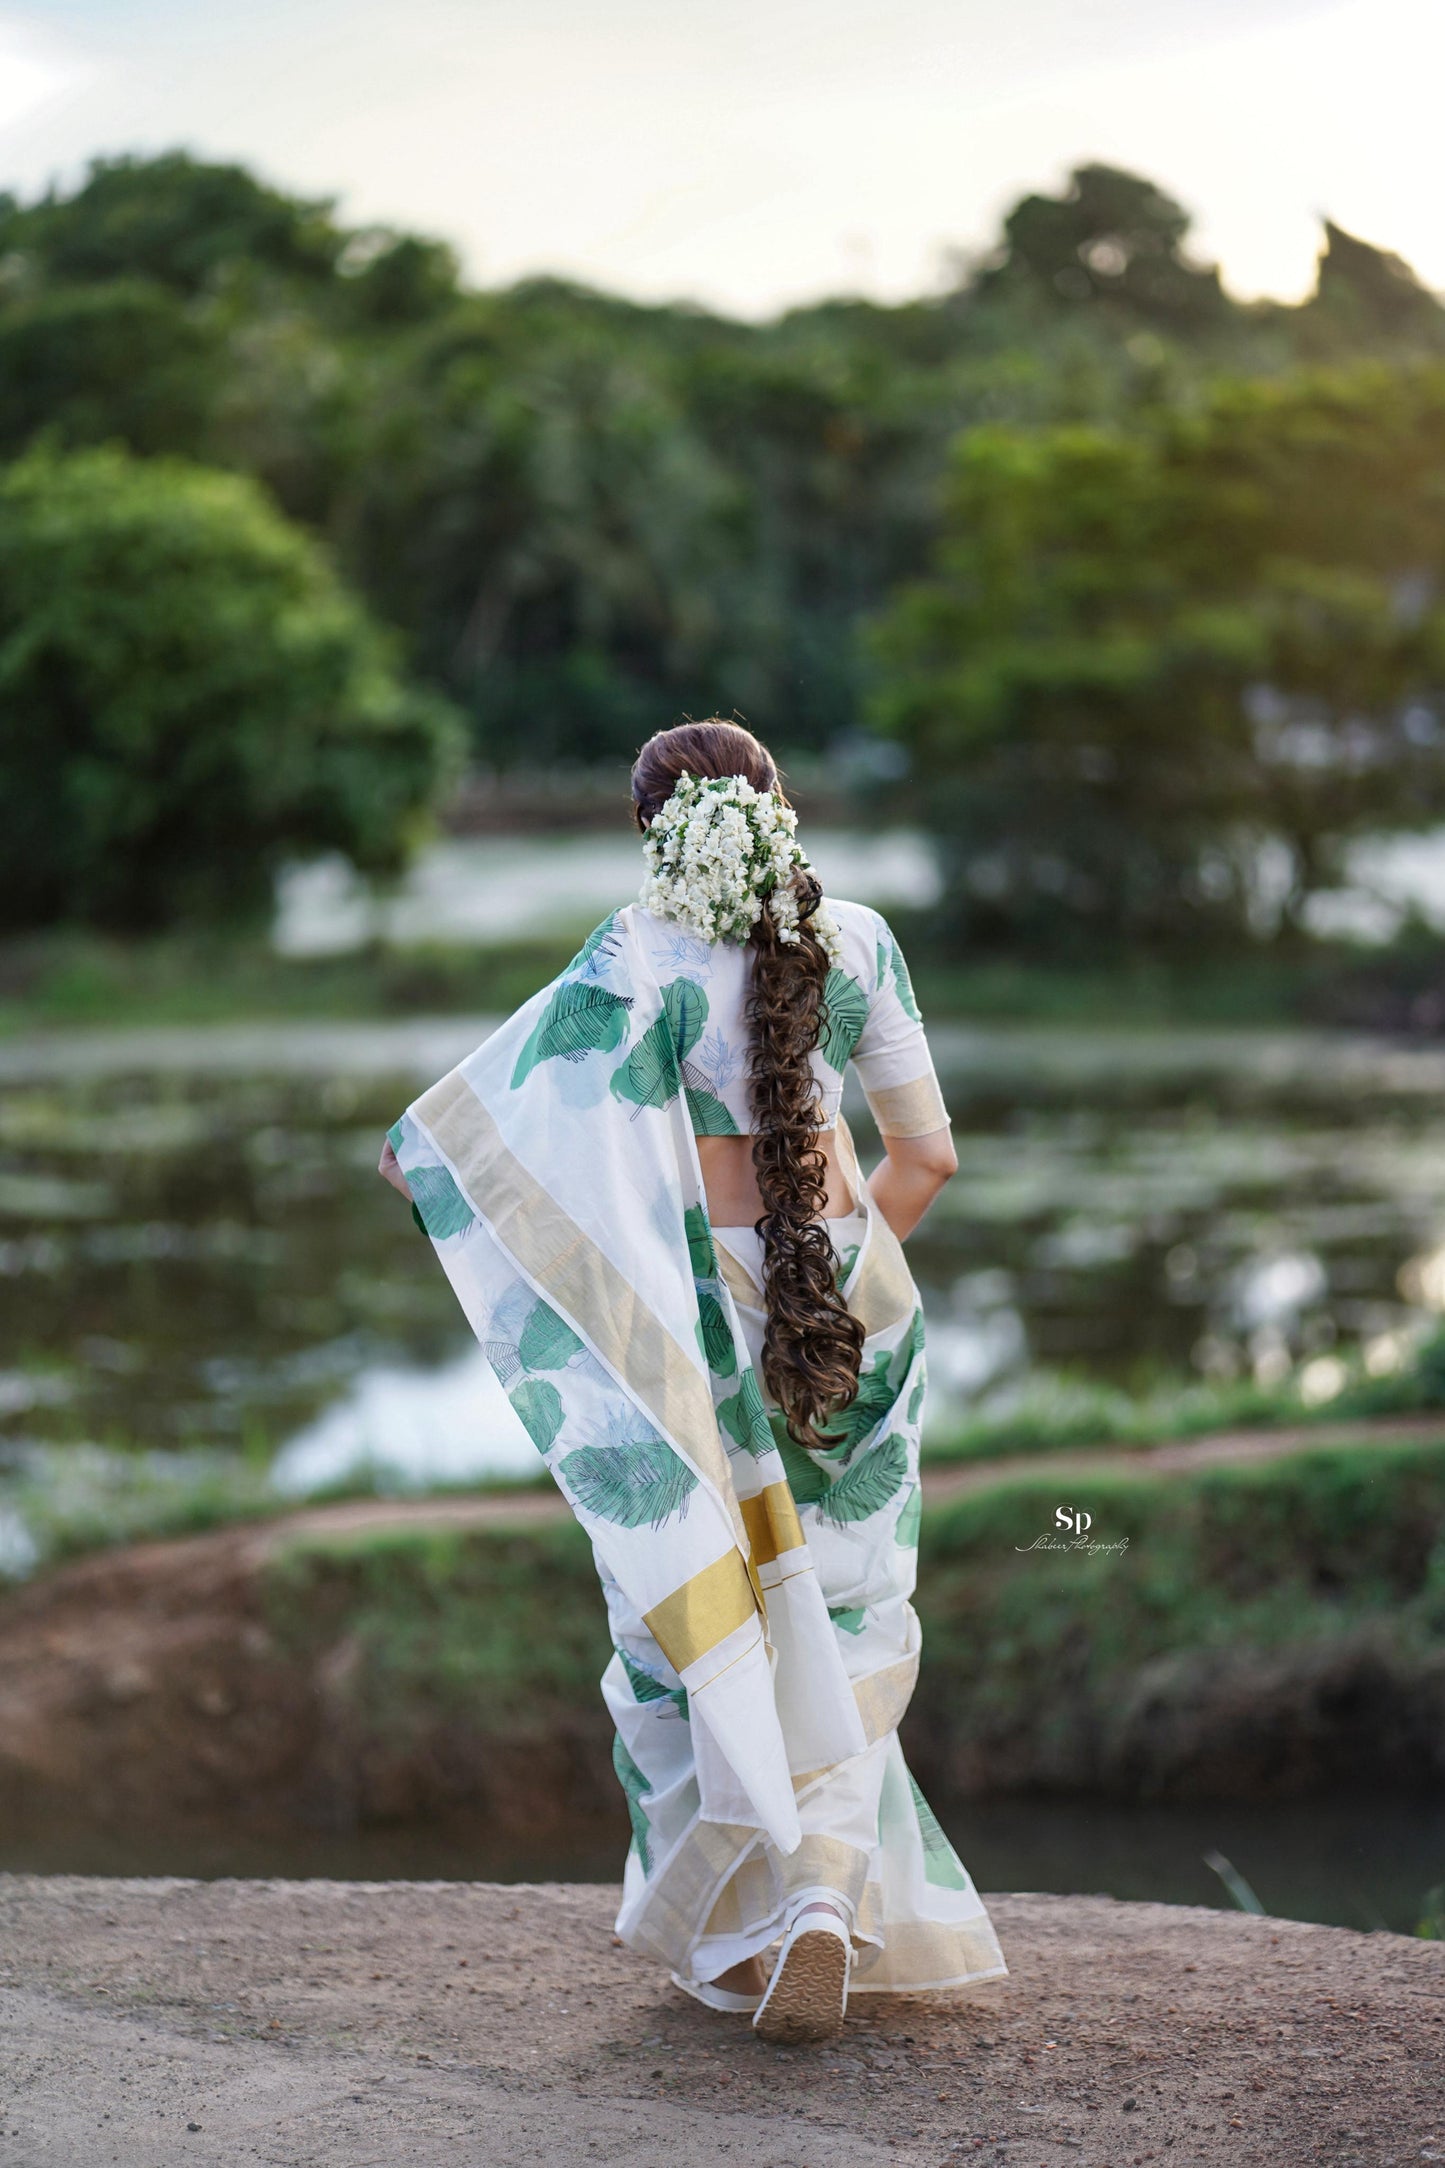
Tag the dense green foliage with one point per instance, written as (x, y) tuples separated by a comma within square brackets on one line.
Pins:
[(187, 697), (1148, 653), (586, 515)]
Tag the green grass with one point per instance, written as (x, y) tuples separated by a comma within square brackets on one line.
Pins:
[(1056, 1412), (506, 1628), (501, 1627), (81, 979), (1313, 1552), (1261, 990), (78, 978)]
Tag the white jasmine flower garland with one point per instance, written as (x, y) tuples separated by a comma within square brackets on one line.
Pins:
[(718, 853)]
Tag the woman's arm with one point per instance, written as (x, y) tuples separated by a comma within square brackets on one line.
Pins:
[(390, 1170), (905, 1184)]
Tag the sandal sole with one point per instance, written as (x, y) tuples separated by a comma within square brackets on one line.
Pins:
[(807, 2000)]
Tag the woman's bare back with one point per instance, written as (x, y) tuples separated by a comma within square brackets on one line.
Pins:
[(732, 1186)]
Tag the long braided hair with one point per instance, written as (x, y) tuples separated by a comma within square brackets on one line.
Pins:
[(813, 1345)]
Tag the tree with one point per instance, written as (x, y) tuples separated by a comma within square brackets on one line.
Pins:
[(1368, 300), (1111, 236), (120, 359), (174, 219), (1147, 654), (188, 698)]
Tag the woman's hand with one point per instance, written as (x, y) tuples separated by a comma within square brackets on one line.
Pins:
[(389, 1168), (905, 1184)]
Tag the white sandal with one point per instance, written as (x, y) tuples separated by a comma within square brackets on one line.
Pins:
[(807, 1996), (718, 1998)]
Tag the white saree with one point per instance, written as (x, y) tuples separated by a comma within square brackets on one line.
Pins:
[(758, 1596)]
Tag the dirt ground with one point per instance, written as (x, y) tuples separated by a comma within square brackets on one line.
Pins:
[(341, 2025)]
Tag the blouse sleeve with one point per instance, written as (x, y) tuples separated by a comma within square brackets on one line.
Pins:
[(891, 1056)]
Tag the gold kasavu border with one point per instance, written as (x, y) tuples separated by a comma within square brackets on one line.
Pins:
[(564, 1261)]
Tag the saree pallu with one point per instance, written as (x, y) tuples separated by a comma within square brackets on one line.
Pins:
[(758, 1595)]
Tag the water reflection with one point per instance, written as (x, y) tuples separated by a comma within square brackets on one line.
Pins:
[(200, 1257), (496, 888), (408, 1429), (1363, 1862)]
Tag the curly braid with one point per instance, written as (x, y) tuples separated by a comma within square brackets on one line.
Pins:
[(812, 1345)]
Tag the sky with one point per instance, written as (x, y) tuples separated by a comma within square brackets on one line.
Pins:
[(765, 152)]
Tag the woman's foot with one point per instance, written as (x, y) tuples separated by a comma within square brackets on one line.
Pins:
[(808, 1994), (748, 1978)]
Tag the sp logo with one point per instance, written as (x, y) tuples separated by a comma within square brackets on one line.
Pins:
[(1073, 1518)]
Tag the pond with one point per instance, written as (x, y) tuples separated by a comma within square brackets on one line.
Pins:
[(196, 1257), (1365, 1862)]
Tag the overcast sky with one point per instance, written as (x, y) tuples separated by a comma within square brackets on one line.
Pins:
[(763, 151)]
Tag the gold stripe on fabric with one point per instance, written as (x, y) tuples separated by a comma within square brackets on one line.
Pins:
[(883, 1697), (922, 1954), (752, 1895), (678, 1900), (704, 1611), (908, 1110), (772, 1523), (883, 1293), (827, 1862), (568, 1265), (726, 1916), (738, 1281)]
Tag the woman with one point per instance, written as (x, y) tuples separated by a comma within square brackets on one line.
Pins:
[(649, 1206)]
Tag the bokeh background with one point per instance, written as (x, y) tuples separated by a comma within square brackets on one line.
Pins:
[(1037, 434)]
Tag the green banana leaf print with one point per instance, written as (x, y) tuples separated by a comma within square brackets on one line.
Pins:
[(646, 1688), (634, 1786), (438, 1203), (636, 1486), (864, 1412), (847, 1014), (744, 1417), (710, 1118), (849, 1622), (599, 937), (540, 1407), (910, 1346), (846, 1263), (699, 1242), (580, 1019), (915, 1399), (910, 1520), (869, 1485), (651, 1076), (548, 1341), (941, 1864), (891, 964), (806, 1480), (715, 1334)]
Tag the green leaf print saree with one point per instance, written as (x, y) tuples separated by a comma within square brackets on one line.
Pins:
[(758, 1595)]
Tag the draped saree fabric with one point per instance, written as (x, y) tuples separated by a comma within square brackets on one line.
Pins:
[(758, 1595)]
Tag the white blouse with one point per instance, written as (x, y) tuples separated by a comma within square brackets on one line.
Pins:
[(873, 1021)]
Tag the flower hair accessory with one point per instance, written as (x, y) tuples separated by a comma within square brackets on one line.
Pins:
[(719, 852)]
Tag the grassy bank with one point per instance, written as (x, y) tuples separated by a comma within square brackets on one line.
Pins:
[(75, 979), (69, 980), (1056, 1412), (1262, 1630), (1266, 1628)]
